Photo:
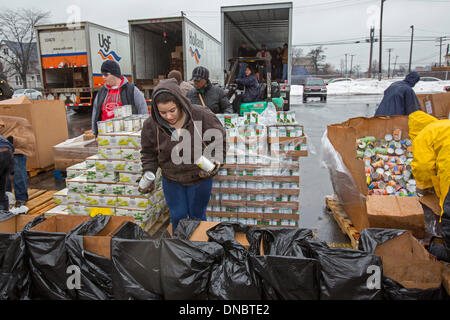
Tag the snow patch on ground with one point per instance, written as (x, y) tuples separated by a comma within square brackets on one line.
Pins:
[(372, 86)]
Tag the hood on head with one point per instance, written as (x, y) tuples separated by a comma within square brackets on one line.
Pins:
[(412, 78), (170, 86), (417, 121)]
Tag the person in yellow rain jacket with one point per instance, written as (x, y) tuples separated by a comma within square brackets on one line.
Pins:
[(431, 164)]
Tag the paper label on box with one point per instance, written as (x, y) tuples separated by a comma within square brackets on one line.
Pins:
[(101, 211), (428, 107)]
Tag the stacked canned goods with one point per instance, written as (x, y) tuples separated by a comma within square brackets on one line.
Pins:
[(285, 131), (387, 164), (132, 123)]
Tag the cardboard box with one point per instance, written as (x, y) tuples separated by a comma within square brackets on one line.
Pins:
[(352, 188), (200, 233), (100, 244), (60, 223), (15, 223), (49, 122), (406, 261), (436, 104), (175, 55), (396, 213)]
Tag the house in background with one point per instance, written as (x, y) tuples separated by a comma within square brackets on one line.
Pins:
[(7, 53)]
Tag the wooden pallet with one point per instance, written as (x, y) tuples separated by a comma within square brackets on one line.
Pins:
[(343, 220), (40, 201), (158, 224), (34, 172)]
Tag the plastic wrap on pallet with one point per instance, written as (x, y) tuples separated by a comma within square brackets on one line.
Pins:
[(341, 178)]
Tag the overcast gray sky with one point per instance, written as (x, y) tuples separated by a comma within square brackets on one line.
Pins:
[(314, 22)]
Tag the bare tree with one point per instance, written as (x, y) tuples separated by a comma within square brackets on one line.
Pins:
[(17, 27), (317, 57)]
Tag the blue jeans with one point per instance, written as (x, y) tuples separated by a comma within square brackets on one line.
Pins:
[(285, 70), (20, 178), (186, 201)]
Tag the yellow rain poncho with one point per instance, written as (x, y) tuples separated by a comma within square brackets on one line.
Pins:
[(431, 147)]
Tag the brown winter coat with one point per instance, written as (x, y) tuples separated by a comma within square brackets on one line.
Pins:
[(21, 131), (156, 136)]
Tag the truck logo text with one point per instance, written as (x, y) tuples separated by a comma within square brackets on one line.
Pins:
[(104, 42)]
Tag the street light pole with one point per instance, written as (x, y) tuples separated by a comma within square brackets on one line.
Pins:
[(411, 48), (372, 32), (381, 40)]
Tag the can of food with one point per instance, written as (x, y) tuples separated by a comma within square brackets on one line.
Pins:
[(231, 172), (369, 153), (251, 185), (233, 197), (293, 198), (273, 132), (267, 185), (251, 209), (136, 124), (249, 172), (101, 126), (128, 125), (241, 184), (117, 125), (230, 159), (259, 210), (233, 184), (240, 159), (399, 152), (109, 126), (397, 134), (282, 132), (259, 197), (388, 138), (259, 185), (380, 192), (284, 198), (268, 210)]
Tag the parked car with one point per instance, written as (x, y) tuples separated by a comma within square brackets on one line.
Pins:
[(338, 80), (429, 79), (29, 93), (314, 87)]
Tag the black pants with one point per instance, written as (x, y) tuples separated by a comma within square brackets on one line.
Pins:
[(6, 165)]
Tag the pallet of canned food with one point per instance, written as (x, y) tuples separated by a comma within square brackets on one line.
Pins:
[(106, 183), (256, 187)]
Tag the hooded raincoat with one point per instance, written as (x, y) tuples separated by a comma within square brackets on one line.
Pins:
[(431, 148), (400, 98)]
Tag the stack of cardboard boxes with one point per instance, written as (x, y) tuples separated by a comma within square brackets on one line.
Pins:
[(176, 61)]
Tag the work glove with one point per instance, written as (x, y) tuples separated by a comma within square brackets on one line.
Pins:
[(204, 174), (149, 189)]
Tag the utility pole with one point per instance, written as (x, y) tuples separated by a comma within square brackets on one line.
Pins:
[(389, 63), (372, 34), (346, 64), (395, 63), (440, 51), (381, 40), (410, 49), (351, 64)]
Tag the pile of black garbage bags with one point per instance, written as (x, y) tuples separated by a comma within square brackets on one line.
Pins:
[(294, 265)]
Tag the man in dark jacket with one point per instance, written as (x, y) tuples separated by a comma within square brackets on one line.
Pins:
[(6, 166), (187, 188), (206, 94), (251, 86), (400, 98), (117, 91)]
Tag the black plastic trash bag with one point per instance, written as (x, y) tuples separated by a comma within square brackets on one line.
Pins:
[(95, 270), (48, 261), (185, 228), (233, 278), (392, 290), (136, 264), (280, 241), (346, 274), (186, 268), (284, 271), (14, 271), (288, 278)]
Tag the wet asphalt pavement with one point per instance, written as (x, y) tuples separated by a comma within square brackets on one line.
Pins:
[(315, 183)]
